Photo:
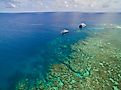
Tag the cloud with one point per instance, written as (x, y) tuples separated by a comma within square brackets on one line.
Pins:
[(60, 5), (11, 5)]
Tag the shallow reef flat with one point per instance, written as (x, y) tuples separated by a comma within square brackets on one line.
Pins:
[(94, 64)]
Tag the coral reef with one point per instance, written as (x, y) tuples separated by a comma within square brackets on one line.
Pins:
[(94, 64)]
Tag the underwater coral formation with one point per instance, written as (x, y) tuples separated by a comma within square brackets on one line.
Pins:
[(94, 64)]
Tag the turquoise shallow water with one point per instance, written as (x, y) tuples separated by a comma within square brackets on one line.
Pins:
[(30, 43)]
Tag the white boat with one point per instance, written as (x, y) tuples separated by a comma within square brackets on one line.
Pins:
[(82, 25), (64, 31)]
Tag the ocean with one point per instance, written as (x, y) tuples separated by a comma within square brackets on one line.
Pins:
[(30, 43)]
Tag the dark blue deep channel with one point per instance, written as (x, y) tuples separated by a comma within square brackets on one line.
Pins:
[(30, 42)]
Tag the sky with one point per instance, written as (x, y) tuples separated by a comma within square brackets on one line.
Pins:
[(60, 5)]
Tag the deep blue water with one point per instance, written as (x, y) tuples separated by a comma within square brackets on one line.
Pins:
[(29, 42)]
